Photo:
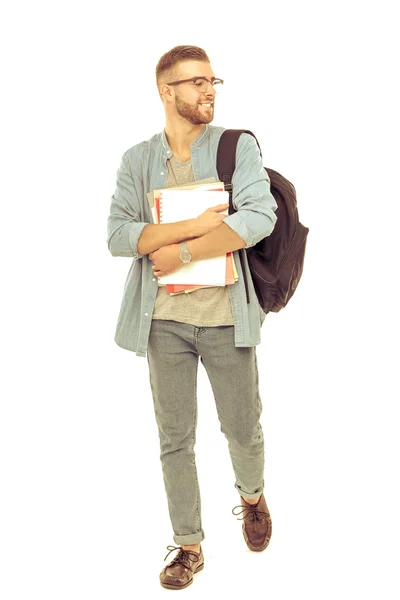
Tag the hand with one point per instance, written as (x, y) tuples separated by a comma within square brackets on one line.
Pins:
[(210, 219), (166, 260)]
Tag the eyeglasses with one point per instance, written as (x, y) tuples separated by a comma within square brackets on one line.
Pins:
[(201, 83)]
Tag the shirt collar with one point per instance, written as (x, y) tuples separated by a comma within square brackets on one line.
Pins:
[(196, 142)]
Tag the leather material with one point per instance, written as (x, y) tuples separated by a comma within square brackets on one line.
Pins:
[(179, 572), (257, 524)]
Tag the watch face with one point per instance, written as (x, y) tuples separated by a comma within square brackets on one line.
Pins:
[(186, 256)]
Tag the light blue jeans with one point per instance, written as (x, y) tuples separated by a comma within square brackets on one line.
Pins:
[(173, 355)]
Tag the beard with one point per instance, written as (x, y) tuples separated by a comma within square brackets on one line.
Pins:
[(193, 112)]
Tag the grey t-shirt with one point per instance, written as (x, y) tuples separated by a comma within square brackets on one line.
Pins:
[(206, 307)]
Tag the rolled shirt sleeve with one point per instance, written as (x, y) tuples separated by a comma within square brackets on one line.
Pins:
[(255, 217), (124, 226)]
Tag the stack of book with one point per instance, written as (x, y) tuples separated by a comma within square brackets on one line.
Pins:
[(188, 202)]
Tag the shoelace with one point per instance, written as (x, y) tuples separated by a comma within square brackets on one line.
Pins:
[(252, 515), (182, 557)]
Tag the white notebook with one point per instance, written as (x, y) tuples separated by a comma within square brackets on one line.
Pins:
[(179, 205)]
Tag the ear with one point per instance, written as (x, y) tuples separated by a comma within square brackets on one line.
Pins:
[(166, 92)]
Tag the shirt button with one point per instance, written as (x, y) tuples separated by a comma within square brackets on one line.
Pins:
[(168, 152), (162, 172), (146, 314), (154, 278)]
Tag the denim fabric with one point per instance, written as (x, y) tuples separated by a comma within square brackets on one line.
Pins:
[(144, 168), (173, 354)]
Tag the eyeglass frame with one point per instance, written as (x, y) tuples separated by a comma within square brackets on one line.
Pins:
[(194, 79)]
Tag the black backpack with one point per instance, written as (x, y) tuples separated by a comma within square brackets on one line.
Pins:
[(275, 262)]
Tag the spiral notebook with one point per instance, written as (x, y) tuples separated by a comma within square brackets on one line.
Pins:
[(179, 205), (202, 184)]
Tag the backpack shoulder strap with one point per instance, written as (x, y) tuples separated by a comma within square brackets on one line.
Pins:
[(226, 163), (226, 153)]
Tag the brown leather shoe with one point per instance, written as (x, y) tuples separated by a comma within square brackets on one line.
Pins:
[(257, 524), (179, 573)]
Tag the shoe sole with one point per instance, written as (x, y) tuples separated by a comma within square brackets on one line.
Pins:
[(171, 586)]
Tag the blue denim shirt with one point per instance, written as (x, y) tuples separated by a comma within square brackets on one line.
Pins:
[(144, 168)]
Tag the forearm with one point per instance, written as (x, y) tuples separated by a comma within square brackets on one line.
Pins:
[(155, 236), (217, 242)]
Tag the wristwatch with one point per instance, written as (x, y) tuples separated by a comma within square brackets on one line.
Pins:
[(185, 255)]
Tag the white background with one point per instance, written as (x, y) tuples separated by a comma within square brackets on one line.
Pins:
[(83, 509)]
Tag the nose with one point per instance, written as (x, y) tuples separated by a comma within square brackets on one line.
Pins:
[(210, 89)]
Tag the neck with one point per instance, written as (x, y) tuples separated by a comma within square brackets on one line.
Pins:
[(180, 136)]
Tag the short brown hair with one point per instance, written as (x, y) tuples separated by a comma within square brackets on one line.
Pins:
[(166, 67)]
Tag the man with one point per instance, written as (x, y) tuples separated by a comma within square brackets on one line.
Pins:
[(215, 323)]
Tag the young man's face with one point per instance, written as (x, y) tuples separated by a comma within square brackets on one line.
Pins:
[(188, 99)]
